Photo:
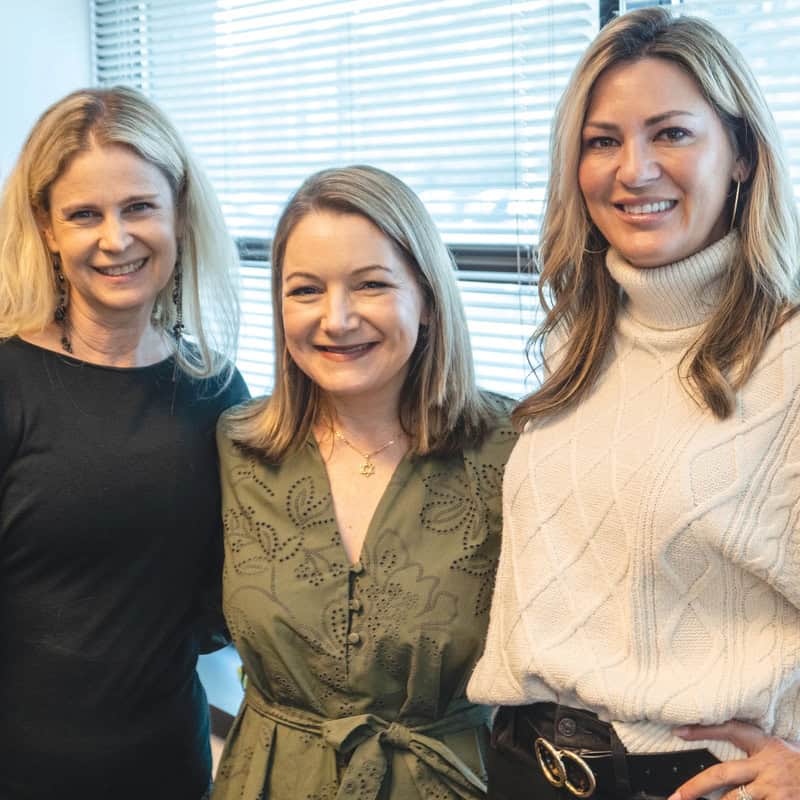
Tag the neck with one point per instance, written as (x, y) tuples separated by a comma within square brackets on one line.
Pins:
[(368, 422), (129, 341)]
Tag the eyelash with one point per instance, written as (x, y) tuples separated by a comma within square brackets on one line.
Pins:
[(668, 134), (302, 291), (139, 206), (600, 142), (307, 291), (82, 214), (133, 208)]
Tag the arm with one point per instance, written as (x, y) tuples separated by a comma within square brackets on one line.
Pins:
[(213, 633), (771, 770)]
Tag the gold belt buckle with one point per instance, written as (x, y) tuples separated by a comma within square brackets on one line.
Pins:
[(564, 768)]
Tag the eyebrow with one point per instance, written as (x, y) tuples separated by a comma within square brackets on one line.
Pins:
[(313, 276), (654, 120)]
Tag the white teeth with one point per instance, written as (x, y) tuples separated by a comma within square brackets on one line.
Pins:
[(123, 269), (650, 208), (343, 348)]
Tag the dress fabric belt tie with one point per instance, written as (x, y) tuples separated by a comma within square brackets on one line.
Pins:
[(367, 738)]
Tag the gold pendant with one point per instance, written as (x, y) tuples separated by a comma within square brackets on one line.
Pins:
[(367, 468)]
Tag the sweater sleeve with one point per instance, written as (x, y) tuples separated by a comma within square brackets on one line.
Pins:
[(493, 680)]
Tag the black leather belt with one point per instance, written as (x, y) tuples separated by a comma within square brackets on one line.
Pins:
[(574, 754)]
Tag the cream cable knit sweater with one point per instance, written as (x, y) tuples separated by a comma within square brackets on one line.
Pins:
[(650, 566)]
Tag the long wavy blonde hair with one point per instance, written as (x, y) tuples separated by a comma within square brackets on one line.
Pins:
[(441, 408), (576, 290), (120, 116)]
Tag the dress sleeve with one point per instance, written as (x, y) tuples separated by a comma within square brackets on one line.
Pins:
[(11, 423)]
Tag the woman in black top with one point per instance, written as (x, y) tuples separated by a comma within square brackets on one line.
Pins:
[(110, 545)]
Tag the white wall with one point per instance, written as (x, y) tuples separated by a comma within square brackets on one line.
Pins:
[(44, 53)]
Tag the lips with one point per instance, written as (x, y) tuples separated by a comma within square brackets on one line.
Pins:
[(118, 270), (655, 207), (350, 349)]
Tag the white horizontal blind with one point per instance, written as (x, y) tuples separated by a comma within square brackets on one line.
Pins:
[(768, 35), (453, 96)]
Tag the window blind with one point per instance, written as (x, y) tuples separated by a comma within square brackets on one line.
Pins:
[(453, 96)]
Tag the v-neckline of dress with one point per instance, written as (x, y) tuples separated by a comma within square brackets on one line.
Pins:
[(397, 480)]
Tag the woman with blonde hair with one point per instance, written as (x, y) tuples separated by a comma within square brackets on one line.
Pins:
[(117, 322), (649, 581), (362, 509)]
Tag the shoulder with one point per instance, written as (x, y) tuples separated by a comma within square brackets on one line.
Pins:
[(781, 358), (501, 435), (554, 346), (244, 408), (15, 352), (220, 391), (24, 369)]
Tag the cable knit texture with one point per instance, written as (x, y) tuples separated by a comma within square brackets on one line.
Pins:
[(650, 564)]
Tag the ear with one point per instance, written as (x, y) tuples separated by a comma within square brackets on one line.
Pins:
[(741, 170), (46, 229)]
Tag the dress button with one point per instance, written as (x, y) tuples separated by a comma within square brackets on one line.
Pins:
[(567, 726), (355, 604), (357, 568), (354, 638)]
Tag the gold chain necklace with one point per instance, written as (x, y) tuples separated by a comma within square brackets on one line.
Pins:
[(367, 468)]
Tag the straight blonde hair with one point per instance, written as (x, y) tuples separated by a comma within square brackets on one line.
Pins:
[(441, 409), (209, 260), (575, 288)]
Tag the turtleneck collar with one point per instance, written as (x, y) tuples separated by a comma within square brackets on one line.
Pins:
[(679, 295)]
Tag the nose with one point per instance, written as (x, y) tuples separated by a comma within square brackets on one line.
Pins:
[(339, 314), (114, 235), (638, 164)]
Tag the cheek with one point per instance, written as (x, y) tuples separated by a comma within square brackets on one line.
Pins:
[(293, 326), (585, 177), (590, 185)]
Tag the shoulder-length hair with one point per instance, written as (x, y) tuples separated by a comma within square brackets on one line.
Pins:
[(209, 261), (441, 409), (576, 290)]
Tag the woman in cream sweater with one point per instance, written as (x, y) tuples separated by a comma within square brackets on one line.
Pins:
[(649, 580)]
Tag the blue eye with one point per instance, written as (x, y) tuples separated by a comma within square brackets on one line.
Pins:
[(140, 206), (82, 213), (303, 291), (373, 285)]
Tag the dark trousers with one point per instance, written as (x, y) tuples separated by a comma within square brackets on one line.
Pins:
[(515, 774)]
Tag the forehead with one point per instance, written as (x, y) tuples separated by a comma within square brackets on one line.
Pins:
[(324, 239), (109, 167), (646, 87)]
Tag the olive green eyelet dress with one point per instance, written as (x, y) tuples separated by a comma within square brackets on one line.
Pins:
[(357, 672)]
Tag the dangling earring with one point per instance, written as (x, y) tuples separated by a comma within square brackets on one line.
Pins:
[(735, 206), (177, 299), (60, 314), (593, 233)]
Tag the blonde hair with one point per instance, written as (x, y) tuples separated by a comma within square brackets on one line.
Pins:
[(762, 284), (209, 261), (441, 409)]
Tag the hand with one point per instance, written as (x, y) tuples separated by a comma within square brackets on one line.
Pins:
[(771, 770)]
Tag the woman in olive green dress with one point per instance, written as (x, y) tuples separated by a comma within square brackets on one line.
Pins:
[(362, 512)]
